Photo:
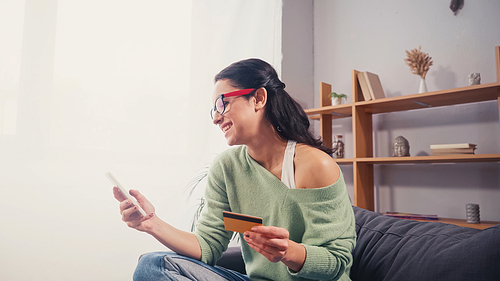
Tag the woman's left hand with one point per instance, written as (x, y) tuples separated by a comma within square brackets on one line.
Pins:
[(273, 243), (270, 241)]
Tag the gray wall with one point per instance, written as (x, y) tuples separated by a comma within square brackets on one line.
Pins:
[(368, 36), (297, 66)]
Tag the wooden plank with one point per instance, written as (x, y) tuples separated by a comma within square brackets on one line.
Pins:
[(325, 119), (326, 129), (362, 133), (469, 94), (465, 158), (497, 58), (463, 223), (344, 161), (337, 111), (356, 88), (363, 186), (362, 125), (324, 90)]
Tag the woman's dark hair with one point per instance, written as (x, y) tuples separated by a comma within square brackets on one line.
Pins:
[(284, 113)]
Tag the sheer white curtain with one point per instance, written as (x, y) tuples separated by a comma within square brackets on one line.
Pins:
[(93, 86)]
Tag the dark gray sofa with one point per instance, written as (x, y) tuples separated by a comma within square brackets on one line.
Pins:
[(395, 249)]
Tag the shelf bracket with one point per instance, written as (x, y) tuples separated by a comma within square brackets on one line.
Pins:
[(422, 104), (339, 114)]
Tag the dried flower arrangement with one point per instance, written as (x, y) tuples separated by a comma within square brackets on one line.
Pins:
[(418, 61)]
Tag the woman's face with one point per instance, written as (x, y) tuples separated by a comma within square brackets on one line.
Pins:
[(239, 122)]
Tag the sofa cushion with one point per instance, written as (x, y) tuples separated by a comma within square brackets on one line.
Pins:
[(232, 259), (394, 249)]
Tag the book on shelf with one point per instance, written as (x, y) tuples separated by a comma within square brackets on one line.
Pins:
[(453, 145), (448, 151), (364, 86), (371, 87), (373, 81), (410, 216)]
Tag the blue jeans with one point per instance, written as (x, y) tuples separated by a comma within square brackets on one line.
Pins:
[(171, 266)]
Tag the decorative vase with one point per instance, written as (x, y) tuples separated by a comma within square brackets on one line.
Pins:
[(336, 101), (423, 86)]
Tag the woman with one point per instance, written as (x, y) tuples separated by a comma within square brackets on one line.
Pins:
[(279, 172)]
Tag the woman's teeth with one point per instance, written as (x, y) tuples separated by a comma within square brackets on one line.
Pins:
[(226, 128)]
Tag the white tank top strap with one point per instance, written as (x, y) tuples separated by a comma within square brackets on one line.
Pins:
[(287, 171)]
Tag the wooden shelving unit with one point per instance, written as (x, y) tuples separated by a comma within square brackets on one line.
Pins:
[(459, 222), (361, 113)]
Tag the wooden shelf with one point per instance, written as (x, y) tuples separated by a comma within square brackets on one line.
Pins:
[(470, 94), (461, 222), (361, 112), (344, 161), (422, 159), (458, 158), (337, 111)]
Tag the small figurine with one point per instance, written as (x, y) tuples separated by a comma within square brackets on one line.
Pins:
[(338, 147), (474, 79), (400, 147)]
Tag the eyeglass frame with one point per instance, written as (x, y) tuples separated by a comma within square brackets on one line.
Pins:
[(227, 95)]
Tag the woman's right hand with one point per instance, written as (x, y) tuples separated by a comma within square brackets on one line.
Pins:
[(181, 242), (129, 212)]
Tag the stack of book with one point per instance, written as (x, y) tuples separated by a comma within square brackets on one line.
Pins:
[(371, 88), (453, 148), (410, 216)]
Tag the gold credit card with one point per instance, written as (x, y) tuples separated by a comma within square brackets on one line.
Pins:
[(239, 223)]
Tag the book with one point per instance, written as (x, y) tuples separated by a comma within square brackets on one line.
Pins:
[(374, 85), (453, 145), (410, 216), (364, 86), (448, 151)]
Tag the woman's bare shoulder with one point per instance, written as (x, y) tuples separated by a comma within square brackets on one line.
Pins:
[(314, 168)]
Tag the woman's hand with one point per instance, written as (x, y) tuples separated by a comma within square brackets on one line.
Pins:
[(129, 212), (273, 243)]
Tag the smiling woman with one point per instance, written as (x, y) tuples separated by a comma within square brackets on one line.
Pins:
[(279, 173)]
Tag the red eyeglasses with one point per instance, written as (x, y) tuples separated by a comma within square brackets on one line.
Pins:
[(220, 104)]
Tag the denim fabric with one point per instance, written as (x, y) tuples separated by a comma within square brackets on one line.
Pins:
[(171, 266)]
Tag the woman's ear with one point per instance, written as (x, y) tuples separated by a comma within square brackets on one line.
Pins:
[(260, 98)]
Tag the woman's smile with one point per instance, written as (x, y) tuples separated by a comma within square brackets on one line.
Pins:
[(225, 127)]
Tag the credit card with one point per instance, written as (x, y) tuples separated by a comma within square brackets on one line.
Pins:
[(239, 222)]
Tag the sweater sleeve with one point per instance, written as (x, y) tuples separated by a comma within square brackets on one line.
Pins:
[(329, 238), (210, 232)]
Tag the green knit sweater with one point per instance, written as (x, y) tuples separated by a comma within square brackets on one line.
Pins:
[(321, 219)]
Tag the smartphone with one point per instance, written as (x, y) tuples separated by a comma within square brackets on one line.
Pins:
[(125, 192)]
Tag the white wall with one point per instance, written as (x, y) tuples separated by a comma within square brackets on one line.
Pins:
[(371, 36), (88, 87)]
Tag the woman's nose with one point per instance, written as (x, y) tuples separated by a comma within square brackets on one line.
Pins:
[(217, 118)]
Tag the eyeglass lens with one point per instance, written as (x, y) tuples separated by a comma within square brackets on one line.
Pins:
[(219, 107)]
